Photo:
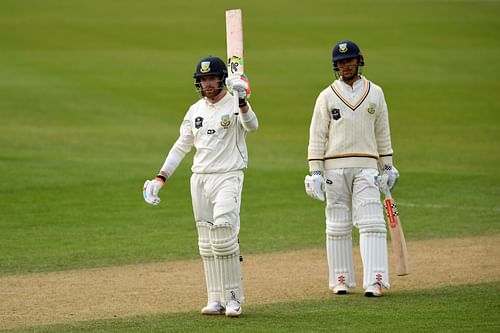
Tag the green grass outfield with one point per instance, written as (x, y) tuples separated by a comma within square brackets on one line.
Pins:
[(92, 94)]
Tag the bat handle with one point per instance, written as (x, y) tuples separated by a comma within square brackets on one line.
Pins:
[(236, 102), (387, 193)]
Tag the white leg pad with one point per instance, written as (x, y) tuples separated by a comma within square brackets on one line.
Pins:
[(226, 249), (373, 248), (211, 273), (339, 246), (373, 243)]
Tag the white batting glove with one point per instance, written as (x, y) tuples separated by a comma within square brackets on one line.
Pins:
[(381, 182), (150, 191), (315, 185), (388, 179), (238, 82)]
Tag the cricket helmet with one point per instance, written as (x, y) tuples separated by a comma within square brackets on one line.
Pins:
[(210, 66), (346, 50)]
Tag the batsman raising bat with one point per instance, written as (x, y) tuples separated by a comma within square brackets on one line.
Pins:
[(217, 128), (349, 143)]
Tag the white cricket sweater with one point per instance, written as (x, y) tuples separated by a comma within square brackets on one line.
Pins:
[(218, 133), (350, 128)]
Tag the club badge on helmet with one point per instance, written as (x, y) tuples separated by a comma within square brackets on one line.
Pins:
[(346, 50), (210, 66)]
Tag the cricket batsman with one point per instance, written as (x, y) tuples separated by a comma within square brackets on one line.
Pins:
[(349, 143), (217, 128)]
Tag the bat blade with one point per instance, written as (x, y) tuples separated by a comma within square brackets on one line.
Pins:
[(234, 40), (398, 241)]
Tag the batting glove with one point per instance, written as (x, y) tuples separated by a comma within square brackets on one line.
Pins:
[(238, 82), (151, 189), (315, 185), (388, 179)]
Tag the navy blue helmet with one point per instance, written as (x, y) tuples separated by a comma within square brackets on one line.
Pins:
[(210, 66), (346, 50)]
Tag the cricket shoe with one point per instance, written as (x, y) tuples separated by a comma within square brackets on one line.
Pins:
[(340, 289), (374, 290), (213, 308), (233, 308)]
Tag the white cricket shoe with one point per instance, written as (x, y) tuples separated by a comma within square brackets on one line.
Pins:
[(374, 290), (340, 289), (233, 308), (213, 308)]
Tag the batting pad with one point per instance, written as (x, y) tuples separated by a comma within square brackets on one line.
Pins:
[(340, 263), (373, 247), (227, 260), (211, 273), (369, 216), (339, 246)]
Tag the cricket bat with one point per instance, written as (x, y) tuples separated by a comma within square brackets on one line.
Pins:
[(397, 236), (234, 41)]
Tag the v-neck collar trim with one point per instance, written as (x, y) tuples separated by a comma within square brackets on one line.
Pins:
[(366, 90)]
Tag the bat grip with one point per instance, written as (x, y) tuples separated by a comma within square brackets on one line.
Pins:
[(387, 193)]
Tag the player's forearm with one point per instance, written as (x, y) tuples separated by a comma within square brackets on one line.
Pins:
[(383, 137), (174, 158), (317, 138), (244, 109), (384, 160), (249, 120), (316, 154), (316, 165)]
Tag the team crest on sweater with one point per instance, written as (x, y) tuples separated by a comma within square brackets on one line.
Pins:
[(336, 114), (371, 108), (225, 121)]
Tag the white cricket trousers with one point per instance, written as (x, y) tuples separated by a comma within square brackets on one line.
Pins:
[(216, 197), (216, 206), (353, 199)]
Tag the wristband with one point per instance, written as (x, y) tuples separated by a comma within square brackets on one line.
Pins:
[(161, 178), (242, 102)]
